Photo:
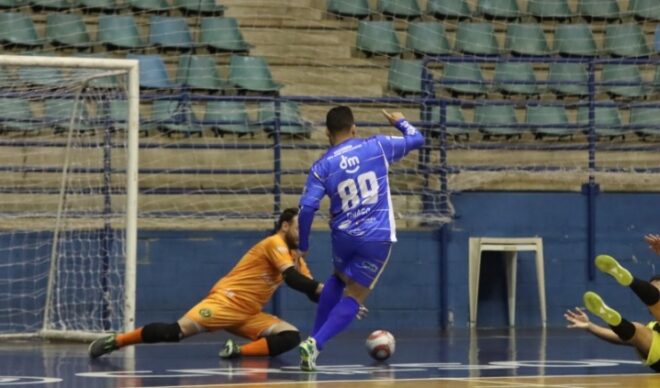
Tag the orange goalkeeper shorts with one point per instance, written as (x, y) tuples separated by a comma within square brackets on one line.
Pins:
[(217, 313)]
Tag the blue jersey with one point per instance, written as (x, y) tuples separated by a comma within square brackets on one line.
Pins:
[(354, 174)]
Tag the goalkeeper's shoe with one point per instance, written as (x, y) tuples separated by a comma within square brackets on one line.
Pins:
[(595, 304), (609, 265), (230, 350), (308, 354), (103, 346)]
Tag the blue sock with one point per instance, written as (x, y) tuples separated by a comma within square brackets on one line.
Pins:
[(338, 320), (332, 290)]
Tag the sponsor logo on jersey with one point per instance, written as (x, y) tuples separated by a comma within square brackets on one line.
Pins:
[(351, 164), (358, 213), (282, 249), (357, 232), (371, 267), (205, 313), (344, 225)]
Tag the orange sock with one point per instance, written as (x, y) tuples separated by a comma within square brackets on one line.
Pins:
[(130, 338), (255, 348)]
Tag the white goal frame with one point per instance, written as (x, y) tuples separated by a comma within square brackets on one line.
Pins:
[(131, 69)]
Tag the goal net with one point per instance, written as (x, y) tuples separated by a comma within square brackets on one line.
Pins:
[(69, 194)]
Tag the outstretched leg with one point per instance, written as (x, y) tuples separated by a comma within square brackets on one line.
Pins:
[(633, 333), (646, 291), (275, 340), (151, 333)]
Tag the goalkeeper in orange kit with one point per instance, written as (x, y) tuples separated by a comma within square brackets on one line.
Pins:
[(236, 300)]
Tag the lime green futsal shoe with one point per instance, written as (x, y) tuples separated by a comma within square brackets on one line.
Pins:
[(609, 265), (595, 304), (308, 354), (103, 346), (230, 350)]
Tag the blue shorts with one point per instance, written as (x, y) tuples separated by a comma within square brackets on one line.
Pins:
[(361, 261)]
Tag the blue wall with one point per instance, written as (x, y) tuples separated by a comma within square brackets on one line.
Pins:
[(176, 269)]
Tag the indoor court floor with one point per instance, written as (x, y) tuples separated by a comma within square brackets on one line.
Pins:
[(558, 358)]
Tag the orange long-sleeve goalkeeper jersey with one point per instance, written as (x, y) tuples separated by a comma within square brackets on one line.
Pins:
[(254, 279)]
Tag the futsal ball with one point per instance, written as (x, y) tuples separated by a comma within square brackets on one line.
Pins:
[(380, 345)]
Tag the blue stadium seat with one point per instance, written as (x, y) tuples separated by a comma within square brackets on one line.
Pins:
[(119, 32), (499, 9), (222, 34), (405, 76), (408, 9), (378, 37), (175, 117), (613, 73), (476, 38), (515, 78), (625, 40), (17, 29), (51, 5), (647, 120), (58, 111), (152, 6), (229, 111), (153, 74), (15, 116), (67, 30), (427, 38), (568, 79), (607, 121), (526, 39), (199, 72), (547, 116), (463, 78), (170, 33), (491, 116), (351, 8), (292, 123), (200, 7), (453, 116), (448, 9), (252, 74)]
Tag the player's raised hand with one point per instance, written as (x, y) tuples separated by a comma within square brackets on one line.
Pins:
[(577, 319), (654, 242), (393, 117)]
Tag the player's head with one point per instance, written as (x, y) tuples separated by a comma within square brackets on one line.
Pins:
[(655, 280), (339, 123), (287, 225)]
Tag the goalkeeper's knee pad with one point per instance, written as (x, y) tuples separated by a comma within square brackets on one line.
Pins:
[(161, 332), (282, 342)]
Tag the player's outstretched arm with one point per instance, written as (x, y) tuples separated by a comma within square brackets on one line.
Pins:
[(302, 283), (395, 147), (578, 319), (654, 242)]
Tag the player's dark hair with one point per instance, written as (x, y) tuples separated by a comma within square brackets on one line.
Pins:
[(339, 119), (286, 216), (655, 278)]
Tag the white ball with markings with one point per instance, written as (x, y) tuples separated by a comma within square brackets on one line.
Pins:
[(381, 345)]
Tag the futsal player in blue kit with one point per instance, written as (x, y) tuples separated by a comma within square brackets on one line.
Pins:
[(353, 173)]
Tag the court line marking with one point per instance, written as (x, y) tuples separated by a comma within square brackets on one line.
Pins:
[(300, 382), (512, 384)]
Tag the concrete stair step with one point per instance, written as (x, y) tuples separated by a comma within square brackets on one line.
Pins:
[(318, 4), (328, 75), (332, 90), (269, 36), (275, 12), (303, 51)]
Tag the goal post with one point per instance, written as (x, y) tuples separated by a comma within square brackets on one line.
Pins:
[(85, 284)]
